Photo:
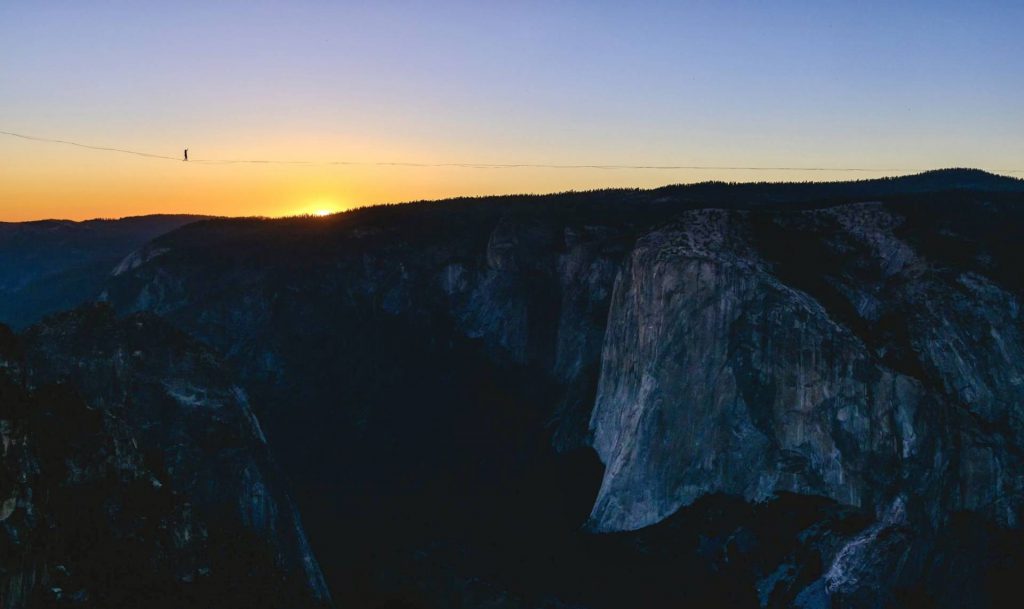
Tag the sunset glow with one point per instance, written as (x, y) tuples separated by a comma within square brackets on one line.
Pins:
[(344, 116)]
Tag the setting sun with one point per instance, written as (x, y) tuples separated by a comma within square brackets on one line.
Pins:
[(318, 207)]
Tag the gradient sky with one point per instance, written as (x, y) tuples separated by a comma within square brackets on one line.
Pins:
[(898, 86)]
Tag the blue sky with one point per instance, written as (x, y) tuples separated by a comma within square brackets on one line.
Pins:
[(767, 84)]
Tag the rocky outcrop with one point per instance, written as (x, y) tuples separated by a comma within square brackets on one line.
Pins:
[(134, 473), (717, 376)]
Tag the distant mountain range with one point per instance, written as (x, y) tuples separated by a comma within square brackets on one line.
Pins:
[(750, 395), (52, 265)]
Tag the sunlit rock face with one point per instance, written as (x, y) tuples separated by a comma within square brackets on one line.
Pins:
[(134, 473), (717, 376), (670, 420)]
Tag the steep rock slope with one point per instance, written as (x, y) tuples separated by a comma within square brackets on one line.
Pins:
[(718, 377), (135, 474)]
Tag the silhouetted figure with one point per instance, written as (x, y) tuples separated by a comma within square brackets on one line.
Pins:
[(186, 154)]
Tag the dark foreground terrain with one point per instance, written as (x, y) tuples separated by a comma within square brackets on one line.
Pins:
[(746, 396)]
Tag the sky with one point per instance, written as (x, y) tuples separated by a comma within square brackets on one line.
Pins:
[(892, 87)]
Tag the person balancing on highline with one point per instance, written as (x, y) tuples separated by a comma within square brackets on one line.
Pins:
[(186, 154)]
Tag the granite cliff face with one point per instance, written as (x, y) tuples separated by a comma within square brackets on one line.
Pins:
[(134, 473), (874, 373), (717, 376)]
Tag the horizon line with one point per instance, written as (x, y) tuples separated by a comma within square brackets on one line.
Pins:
[(314, 215)]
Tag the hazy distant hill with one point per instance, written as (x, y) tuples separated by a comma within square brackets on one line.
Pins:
[(52, 265)]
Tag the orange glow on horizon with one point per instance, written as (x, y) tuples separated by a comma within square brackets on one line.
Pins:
[(47, 181), (58, 184)]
